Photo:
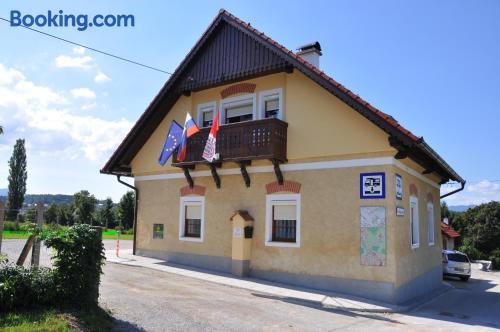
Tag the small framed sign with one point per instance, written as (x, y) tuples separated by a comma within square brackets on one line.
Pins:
[(399, 187), (372, 185), (400, 211), (237, 232)]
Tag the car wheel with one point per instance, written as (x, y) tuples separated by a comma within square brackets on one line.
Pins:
[(464, 278)]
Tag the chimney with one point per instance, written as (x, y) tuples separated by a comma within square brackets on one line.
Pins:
[(446, 221), (311, 53)]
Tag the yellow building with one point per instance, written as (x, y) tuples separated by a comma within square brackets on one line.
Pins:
[(313, 186)]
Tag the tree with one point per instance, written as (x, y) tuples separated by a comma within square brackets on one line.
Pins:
[(1, 130), (445, 212), (106, 215), (50, 216), (126, 210), (481, 225), (65, 215), (30, 215), (17, 180), (84, 207)]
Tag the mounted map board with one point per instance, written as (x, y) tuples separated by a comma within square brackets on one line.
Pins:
[(373, 240)]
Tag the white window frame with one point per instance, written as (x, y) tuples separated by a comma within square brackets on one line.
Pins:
[(202, 108), (431, 224), (272, 200), (264, 95), (414, 204), (236, 101), (191, 200)]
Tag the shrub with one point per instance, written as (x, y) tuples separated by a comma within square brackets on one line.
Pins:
[(471, 251), (495, 258), (11, 226), (25, 287), (78, 259), (74, 282)]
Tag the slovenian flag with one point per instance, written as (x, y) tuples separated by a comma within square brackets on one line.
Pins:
[(209, 151), (190, 128)]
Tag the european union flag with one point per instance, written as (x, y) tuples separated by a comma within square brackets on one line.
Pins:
[(172, 142)]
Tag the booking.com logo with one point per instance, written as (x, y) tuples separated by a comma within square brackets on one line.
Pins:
[(82, 21)]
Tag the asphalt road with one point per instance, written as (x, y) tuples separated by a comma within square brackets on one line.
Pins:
[(13, 248), (146, 300)]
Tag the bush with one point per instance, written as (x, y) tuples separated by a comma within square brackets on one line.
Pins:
[(74, 282), (25, 287), (471, 251), (11, 226), (495, 258), (78, 261)]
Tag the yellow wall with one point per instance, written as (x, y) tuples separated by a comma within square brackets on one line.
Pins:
[(330, 225), (320, 126), (413, 262)]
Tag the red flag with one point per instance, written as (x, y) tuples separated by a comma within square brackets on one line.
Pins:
[(209, 151)]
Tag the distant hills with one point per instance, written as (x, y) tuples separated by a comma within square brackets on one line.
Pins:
[(44, 198), (460, 208)]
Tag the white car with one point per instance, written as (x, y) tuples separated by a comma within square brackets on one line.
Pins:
[(456, 264)]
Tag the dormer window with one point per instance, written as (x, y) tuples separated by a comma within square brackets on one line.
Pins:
[(206, 114), (271, 104), (238, 109)]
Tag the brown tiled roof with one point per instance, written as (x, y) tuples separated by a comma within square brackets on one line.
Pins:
[(450, 232), (401, 138), (389, 119)]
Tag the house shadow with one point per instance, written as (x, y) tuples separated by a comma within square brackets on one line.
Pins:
[(318, 306), (468, 303), (125, 326)]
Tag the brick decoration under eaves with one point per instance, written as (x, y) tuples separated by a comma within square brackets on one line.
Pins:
[(196, 190), (287, 186), (238, 88)]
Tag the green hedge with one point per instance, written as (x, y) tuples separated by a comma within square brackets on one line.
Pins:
[(74, 282)]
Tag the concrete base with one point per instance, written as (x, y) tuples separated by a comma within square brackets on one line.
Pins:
[(240, 268), (214, 263), (419, 287), (375, 290)]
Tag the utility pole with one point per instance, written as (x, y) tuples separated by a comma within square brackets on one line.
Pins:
[(35, 254)]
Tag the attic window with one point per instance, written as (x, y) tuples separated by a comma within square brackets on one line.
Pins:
[(271, 104), (205, 114), (238, 109)]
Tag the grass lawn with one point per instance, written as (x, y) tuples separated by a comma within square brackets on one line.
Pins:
[(54, 320)]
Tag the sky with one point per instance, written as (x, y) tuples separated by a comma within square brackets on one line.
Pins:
[(432, 65)]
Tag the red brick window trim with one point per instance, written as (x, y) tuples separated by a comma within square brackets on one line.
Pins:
[(287, 186), (238, 88), (196, 190)]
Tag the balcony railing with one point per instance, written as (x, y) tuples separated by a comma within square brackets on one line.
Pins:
[(242, 141)]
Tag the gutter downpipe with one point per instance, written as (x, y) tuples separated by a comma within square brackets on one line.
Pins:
[(451, 192), (135, 208)]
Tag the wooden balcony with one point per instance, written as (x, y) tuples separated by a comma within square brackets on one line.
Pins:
[(240, 142)]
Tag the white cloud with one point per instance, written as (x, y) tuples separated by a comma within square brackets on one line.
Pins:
[(83, 93), (50, 128), (101, 78), (474, 194), (79, 50), (66, 61), (89, 106)]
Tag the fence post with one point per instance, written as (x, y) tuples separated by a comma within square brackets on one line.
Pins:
[(2, 213), (35, 254)]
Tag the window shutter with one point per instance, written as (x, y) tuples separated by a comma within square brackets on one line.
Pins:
[(208, 115), (239, 110), (285, 212), (272, 104), (193, 212)]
